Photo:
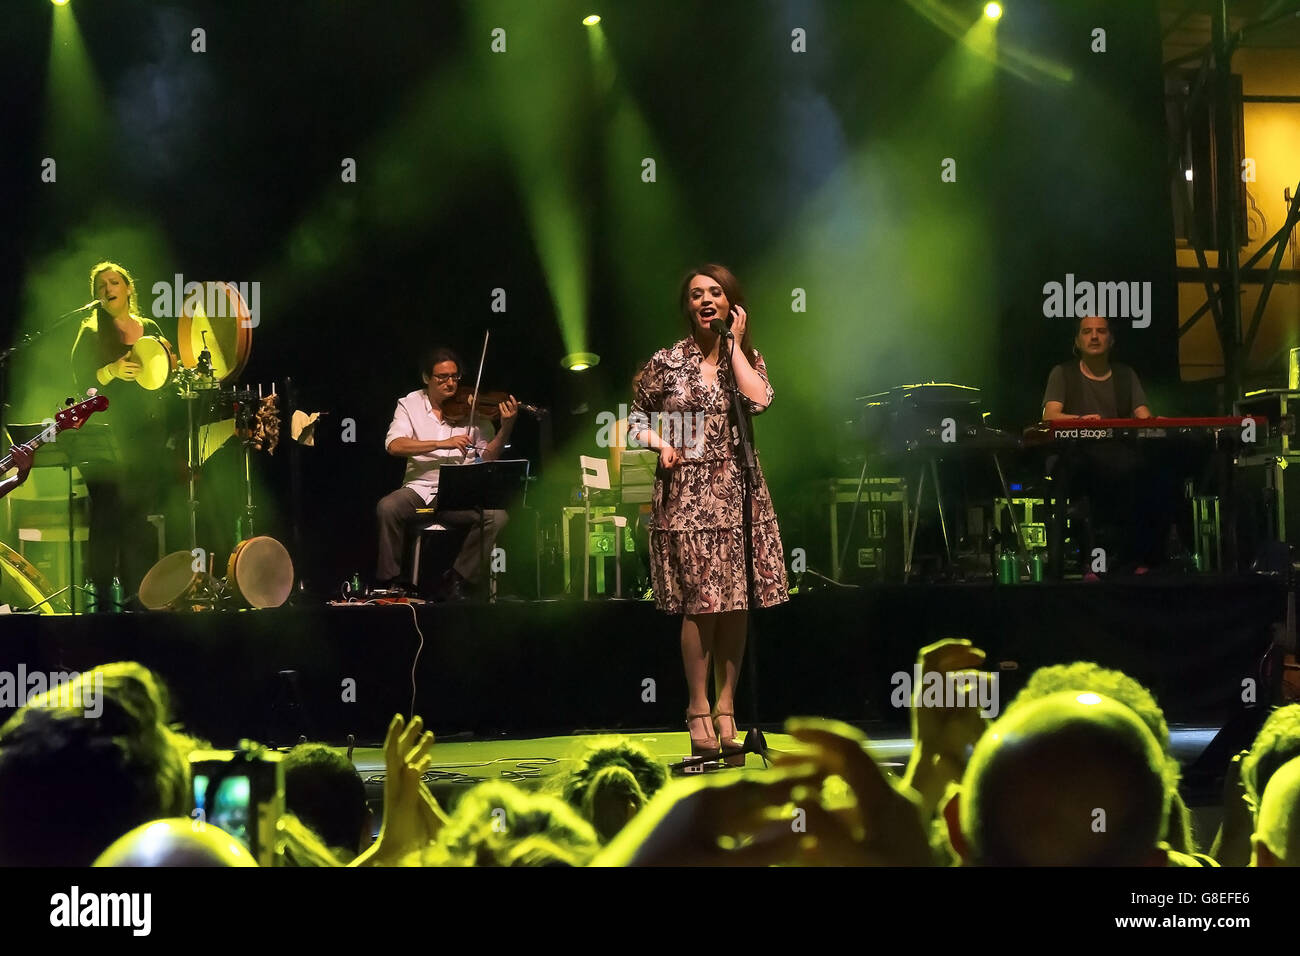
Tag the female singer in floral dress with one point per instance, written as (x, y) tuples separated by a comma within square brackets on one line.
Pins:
[(697, 545)]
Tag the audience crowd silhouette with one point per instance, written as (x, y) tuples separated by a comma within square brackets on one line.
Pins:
[(1076, 771)]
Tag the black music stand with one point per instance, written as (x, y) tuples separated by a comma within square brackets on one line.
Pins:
[(482, 486), (92, 444)]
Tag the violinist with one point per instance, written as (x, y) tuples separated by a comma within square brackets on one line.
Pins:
[(427, 435)]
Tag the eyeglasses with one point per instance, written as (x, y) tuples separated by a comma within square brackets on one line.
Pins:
[(453, 377)]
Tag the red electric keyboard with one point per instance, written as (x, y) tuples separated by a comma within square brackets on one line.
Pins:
[(1100, 429)]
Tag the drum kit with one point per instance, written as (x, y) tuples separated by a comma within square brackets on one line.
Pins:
[(214, 349)]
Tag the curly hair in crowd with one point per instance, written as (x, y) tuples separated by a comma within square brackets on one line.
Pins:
[(497, 824), (324, 790), (611, 782)]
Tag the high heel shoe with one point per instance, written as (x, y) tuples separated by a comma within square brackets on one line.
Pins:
[(733, 749), (702, 747)]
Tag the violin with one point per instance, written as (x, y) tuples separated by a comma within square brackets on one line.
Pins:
[(455, 410)]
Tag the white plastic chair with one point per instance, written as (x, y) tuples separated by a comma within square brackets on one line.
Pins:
[(595, 477)]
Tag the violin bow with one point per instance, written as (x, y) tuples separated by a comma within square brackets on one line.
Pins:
[(473, 405)]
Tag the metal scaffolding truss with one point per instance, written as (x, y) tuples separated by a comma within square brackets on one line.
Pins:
[(1214, 80)]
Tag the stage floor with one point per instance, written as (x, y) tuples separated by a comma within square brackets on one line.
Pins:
[(543, 763)]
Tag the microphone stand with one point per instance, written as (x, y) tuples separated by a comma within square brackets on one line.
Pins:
[(744, 440), (27, 340)]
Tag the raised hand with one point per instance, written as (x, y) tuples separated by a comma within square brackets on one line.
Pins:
[(943, 733), (411, 820), (883, 824), (732, 820)]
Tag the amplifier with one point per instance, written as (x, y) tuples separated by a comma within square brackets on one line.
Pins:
[(1268, 488), (1279, 406), (879, 529)]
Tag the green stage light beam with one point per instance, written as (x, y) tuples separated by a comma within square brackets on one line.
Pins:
[(647, 240), (539, 100), (93, 226), (75, 111), (1016, 60)]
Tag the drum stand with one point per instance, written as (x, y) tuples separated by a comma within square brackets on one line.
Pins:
[(204, 591), (246, 531)]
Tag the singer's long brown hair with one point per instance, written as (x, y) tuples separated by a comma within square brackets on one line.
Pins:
[(730, 287)]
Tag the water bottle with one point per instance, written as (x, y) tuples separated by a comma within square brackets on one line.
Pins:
[(91, 598), (117, 596), (1008, 568)]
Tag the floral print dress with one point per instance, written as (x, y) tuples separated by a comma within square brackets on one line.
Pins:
[(697, 542)]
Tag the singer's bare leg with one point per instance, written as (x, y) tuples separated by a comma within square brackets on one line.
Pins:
[(697, 644), (728, 652)]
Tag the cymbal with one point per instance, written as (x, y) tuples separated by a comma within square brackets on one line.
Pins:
[(218, 320)]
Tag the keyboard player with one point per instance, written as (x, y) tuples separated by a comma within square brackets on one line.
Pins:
[(1120, 499), (1094, 387)]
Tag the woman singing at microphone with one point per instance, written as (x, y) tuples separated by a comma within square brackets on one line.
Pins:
[(697, 546), (124, 493)]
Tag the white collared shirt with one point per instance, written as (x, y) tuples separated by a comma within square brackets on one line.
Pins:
[(415, 418)]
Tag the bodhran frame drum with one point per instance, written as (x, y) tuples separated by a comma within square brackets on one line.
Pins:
[(172, 581), (217, 318), (157, 361), (260, 572)]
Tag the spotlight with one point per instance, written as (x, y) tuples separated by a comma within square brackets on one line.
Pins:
[(59, 3), (1188, 174), (579, 361), (993, 11), (591, 21)]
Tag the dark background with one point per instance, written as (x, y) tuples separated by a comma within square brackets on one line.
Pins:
[(818, 171)]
